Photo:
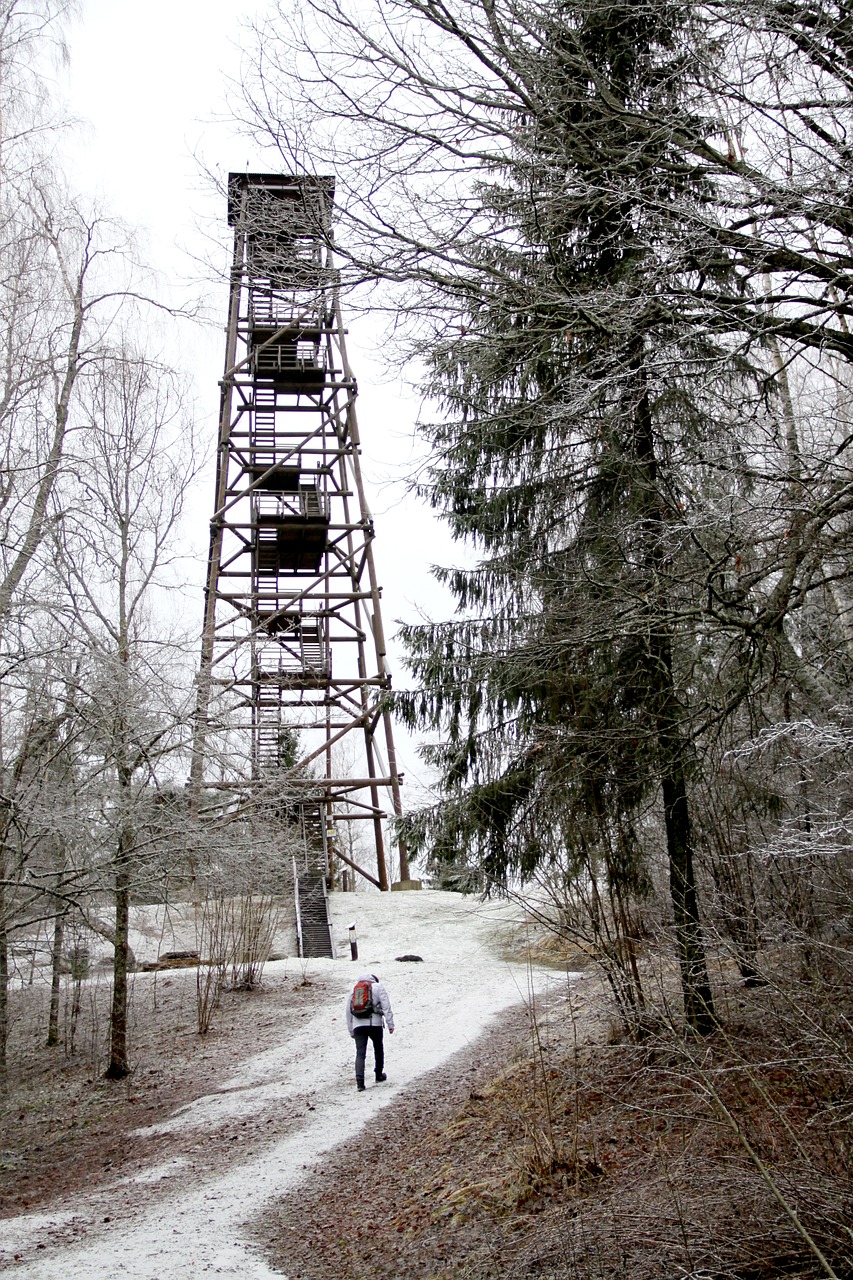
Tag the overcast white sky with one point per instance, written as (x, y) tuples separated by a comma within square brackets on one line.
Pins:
[(149, 83)]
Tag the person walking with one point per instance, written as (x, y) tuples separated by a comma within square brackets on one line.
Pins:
[(368, 1007)]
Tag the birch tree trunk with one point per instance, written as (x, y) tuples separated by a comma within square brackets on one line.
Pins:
[(114, 545)]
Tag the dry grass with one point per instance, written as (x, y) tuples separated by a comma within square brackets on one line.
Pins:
[(725, 1159), (63, 1128)]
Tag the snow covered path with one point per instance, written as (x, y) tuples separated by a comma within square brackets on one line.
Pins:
[(440, 1006)]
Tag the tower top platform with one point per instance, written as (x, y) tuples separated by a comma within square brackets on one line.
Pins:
[(315, 193)]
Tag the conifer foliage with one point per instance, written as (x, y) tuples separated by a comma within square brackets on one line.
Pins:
[(559, 458), (614, 240)]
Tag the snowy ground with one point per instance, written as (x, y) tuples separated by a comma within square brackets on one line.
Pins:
[(147, 1229)]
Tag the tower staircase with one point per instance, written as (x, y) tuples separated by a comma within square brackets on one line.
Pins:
[(314, 933)]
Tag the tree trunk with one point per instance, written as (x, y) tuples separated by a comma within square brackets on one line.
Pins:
[(56, 959), (690, 946), (47, 479), (119, 1058), (4, 990), (696, 989)]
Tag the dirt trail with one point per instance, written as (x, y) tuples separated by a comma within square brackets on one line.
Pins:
[(263, 1130)]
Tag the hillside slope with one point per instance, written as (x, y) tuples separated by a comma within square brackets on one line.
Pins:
[(191, 1211)]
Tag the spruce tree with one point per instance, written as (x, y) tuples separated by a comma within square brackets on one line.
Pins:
[(556, 692), (607, 229)]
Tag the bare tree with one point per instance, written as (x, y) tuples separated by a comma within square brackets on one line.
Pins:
[(62, 271), (121, 503)]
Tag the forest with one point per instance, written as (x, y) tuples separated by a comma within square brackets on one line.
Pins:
[(612, 245)]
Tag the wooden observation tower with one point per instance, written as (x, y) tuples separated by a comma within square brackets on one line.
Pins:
[(293, 648)]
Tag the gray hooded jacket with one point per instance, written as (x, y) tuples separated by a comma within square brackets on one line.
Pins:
[(380, 1000)]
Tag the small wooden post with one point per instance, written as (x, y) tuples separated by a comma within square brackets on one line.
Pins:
[(353, 943)]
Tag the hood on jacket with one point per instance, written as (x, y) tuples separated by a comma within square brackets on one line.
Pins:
[(367, 977)]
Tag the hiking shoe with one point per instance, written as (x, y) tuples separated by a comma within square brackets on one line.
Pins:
[(359, 1084), (380, 1076)]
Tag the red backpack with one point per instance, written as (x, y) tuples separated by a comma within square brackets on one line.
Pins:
[(362, 1004)]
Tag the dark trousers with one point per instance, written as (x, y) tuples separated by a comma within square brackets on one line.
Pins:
[(362, 1035)]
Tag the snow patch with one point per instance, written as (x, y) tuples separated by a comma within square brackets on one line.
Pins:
[(31, 1229), (158, 1173), (440, 1007)]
